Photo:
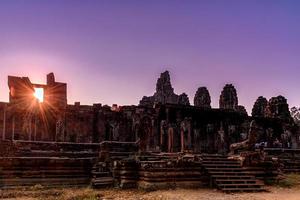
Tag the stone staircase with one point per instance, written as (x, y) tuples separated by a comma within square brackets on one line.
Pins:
[(45, 171), (101, 175), (104, 173), (48, 164), (229, 176), (291, 165), (171, 170), (289, 158)]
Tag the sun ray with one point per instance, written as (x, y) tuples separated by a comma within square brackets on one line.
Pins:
[(39, 94)]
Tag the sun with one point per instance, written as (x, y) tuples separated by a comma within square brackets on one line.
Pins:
[(39, 94)]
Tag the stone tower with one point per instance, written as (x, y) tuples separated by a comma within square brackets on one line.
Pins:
[(165, 93), (278, 108), (228, 98), (164, 90), (202, 98), (183, 99), (259, 107)]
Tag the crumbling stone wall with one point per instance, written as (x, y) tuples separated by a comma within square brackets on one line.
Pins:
[(164, 93), (198, 130), (79, 120), (278, 108), (163, 122)]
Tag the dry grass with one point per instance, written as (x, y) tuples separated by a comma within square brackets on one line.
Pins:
[(290, 180), (35, 192), (39, 193)]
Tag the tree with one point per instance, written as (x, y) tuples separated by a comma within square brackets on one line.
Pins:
[(295, 112)]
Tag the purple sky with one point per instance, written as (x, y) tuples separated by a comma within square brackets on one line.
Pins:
[(113, 51)]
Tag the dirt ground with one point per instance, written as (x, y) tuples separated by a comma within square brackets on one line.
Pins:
[(274, 193)]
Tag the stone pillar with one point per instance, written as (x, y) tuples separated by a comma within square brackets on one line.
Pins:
[(182, 140), (30, 128), (4, 123), (189, 135), (35, 129), (13, 128), (170, 139), (185, 135)]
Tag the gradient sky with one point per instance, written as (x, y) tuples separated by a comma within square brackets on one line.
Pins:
[(113, 51)]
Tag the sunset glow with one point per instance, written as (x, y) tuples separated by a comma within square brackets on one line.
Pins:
[(39, 94), (254, 44)]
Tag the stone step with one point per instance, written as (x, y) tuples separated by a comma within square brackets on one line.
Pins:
[(229, 176), (44, 176), (233, 177), (44, 171), (253, 168), (121, 153), (240, 185), (292, 167), (102, 179), (257, 173), (216, 159), (55, 186), (14, 182), (293, 163), (222, 165), (100, 174), (235, 181), (220, 162), (102, 182), (57, 154), (229, 190), (212, 170), (291, 170), (118, 157), (97, 166), (44, 167), (171, 179), (213, 156)]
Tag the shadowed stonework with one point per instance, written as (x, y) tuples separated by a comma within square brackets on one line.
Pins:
[(259, 107), (202, 98), (165, 93), (164, 142), (229, 98)]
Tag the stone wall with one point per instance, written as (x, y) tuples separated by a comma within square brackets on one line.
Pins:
[(163, 122)]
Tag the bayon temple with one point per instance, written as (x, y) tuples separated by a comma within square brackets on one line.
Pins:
[(164, 142)]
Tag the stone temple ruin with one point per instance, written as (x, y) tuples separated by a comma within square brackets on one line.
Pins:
[(164, 142)]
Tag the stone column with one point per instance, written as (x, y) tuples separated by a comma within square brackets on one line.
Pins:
[(13, 128), (30, 128), (189, 135), (35, 129), (182, 140), (170, 139), (4, 123)]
